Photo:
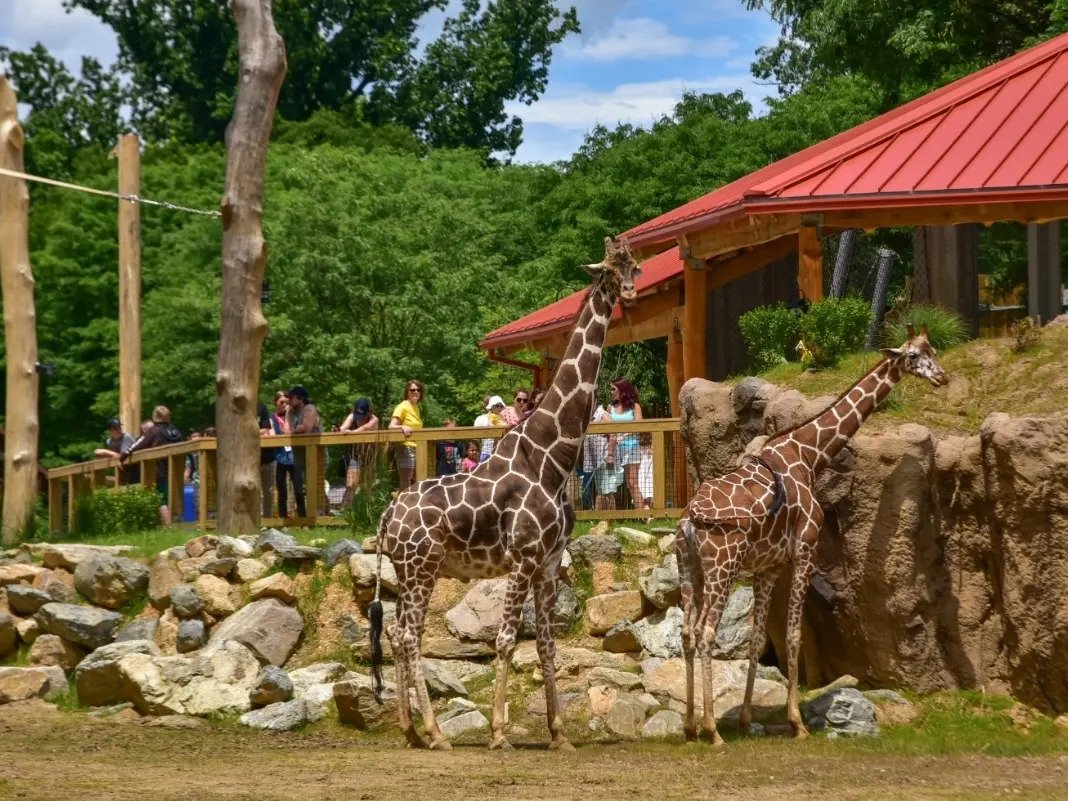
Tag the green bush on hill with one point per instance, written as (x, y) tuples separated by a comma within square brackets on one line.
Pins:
[(945, 329), (771, 334), (117, 512), (834, 327)]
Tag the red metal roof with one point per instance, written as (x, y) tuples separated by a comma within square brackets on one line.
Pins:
[(998, 134), (560, 315)]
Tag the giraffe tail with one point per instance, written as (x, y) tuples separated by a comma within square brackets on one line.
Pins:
[(375, 612)]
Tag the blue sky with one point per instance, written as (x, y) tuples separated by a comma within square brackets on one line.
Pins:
[(632, 62)]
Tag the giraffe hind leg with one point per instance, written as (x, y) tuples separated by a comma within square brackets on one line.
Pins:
[(691, 590), (719, 571), (762, 587), (544, 605), (400, 660), (804, 564), (519, 580)]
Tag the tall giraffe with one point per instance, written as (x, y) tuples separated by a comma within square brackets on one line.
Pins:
[(511, 515), (763, 515)]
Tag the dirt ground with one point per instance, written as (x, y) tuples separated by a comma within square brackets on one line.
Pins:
[(47, 754)]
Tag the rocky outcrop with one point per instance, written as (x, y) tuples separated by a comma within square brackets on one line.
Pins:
[(942, 561), (110, 581), (97, 677), (87, 626), (268, 628)]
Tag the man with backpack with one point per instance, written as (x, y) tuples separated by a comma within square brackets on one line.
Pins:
[(162, 432)]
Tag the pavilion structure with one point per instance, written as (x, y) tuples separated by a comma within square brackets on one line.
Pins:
[(990, 147)]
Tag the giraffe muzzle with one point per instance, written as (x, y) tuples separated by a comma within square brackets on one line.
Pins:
[(628, 296)]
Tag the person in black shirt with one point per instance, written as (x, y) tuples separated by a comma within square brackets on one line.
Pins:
[(448, 453)]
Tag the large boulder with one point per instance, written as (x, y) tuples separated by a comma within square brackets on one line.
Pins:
[(844, 711), (185, 603), (192, 634), (48, 649), (271, 540), (441, 682), (110, 581), (19, 574), (269, 628), (97, 677), (604, 611), (479, 614), (232, 548), (340, 550), (465, 723), (218, 597), (22, 684), (247, 570), (58, 584), (8, 634), (356, 704), (660, 634), (303, 679), (69, 557), (735, 628), (276, 585), (661, 584), (142, 629), (272, 686), (87, 626), (445, 647), (566, 611), (593, 548), (198, 685), (25, 600), (363, 567), (163, 576), (283, 716)]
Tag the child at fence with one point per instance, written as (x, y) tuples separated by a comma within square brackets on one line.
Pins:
[(470, 460), (447, 453)]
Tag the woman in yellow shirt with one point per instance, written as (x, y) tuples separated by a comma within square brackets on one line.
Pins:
[(407, 418)]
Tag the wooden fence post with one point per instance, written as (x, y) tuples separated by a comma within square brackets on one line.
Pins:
[(20, 330), (261, 53)]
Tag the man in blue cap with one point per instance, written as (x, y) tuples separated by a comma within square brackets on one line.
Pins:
[(303, 418)]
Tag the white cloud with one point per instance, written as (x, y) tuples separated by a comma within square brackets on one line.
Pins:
[(642, 39), (594, 15), (580, 107)]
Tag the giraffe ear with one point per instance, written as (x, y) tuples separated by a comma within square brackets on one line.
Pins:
[(891, 353), (910, 329), (594, 269)]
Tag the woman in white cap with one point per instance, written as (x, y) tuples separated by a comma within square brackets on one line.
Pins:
[(492, 418)]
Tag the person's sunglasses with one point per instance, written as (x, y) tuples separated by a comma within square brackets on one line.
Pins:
[(521, 398), (415, 389)]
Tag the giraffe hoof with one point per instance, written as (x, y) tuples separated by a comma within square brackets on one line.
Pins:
[(691, 735), (417, 742), (499, 743), (561, 745), (441, 745), (800, 732)]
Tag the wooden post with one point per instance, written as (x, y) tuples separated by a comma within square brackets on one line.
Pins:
[(129, 153), (1044, 270), (20, 330), (695, 316), (680, 479), (262, 57), (810, 263), (55, 505), (660, 470)]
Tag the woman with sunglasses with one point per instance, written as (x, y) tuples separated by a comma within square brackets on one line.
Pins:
[(515, 414), (407, 417)]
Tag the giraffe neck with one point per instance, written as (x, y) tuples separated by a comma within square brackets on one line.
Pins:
[(558, 425), (821, 438)]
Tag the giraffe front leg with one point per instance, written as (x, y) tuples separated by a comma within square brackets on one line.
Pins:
[(762, 588), (544, 604), (519, 579), (804, 564)]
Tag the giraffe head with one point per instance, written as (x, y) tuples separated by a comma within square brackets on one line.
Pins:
[(917, 357), (618, 269)]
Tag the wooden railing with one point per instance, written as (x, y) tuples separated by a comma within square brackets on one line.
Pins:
[(662, 444)]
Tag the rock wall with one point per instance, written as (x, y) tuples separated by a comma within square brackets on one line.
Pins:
[(944, 559)]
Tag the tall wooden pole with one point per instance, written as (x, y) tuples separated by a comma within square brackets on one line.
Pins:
[(262, 57), (695, 315), (129, 152), (810, 263), (20, 330)]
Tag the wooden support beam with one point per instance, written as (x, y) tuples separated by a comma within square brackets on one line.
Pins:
[(741, 232), (675, 370), (1021, 212), (810, 263), (262, 58), (695, 314), (1044, 296), (129, 155), (20, 331)]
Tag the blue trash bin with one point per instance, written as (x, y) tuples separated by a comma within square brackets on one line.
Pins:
[(189, 503)]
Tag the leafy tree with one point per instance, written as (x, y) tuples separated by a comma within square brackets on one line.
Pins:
[(182, 58), (904, 47)]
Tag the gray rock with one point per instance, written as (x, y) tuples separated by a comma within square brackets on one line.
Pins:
[(661, 633), (69, 557), (468, 722), (446, 647), (8, 634), (283, 716), (185, 602), (25, 600), (661, 585), (455, 708), (110, 581), (356, 704), (232, 548), (87, 626), (295, 554), (621, 639), (271, 540), (440, 681), (615, 678), (665, 723), (272, 686), (363, 569), (626, 717), (565, 612), (192, 634), (478, 615), (268, 628), (320, 673), (248, 570), (342, 549), (164, 576), (841, 712), (138, 630), (887, 696), (219, 567), (97, 677), (735, 626), (596, 548)]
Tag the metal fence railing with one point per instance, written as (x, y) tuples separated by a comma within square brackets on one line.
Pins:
[(647, 477)]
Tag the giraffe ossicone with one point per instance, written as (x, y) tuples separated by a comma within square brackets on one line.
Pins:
[(511, 516), (764, 515)]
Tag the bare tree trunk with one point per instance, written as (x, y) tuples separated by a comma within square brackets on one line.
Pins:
[(20, 330), (128, 151), (263, 67)]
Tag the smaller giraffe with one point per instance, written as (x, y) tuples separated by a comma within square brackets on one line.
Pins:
[(763, 515)]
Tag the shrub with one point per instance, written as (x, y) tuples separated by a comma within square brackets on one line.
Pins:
[(117, 511), (945, 329), (833, 328), (1024, 334), (770, 334)]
